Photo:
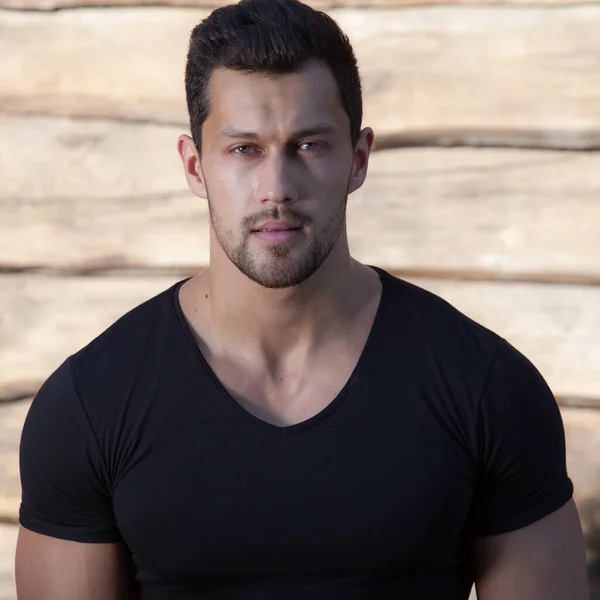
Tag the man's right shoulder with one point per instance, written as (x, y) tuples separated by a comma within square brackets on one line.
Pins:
[(120, 351)]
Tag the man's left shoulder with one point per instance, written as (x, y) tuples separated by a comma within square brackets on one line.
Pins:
[(438, 324)]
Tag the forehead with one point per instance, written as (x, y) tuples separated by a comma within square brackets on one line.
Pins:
[(274, 104)]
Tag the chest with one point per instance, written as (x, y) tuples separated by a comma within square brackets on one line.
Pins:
[(286, 395), (355, 494)]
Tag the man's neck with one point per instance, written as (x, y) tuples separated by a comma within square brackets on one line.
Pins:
[(275, 323)]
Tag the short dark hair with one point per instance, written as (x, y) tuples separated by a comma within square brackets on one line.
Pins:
[(271, 37)]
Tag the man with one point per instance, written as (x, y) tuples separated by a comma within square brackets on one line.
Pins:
[(291, 423)]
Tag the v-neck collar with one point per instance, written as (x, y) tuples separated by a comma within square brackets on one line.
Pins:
[(323, 414)]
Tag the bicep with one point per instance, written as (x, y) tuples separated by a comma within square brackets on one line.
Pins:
[(48, 568), (543, 561), (66, 484)]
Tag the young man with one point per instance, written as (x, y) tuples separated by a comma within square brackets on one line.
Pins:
[(291, 423)]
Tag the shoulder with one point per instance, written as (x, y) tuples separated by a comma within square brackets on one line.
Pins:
[(443, 326), (122, 349), (438, 326)]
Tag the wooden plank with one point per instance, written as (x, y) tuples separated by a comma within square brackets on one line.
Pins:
[(53, 317), (479, 75), (8, 545), (111, 194), (582, 429), (104, 193), (500, 210), (320, 4), (46, 318), (556, 326), (12, 417)]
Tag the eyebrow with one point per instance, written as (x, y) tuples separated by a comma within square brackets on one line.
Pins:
[(235, 134)]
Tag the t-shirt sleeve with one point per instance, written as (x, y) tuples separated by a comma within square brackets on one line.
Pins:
[(521, 448), (65, 483)]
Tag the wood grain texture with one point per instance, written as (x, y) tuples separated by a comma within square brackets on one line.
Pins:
[(320, 4), (12, 417), (8, 545), (476, 75), (556, 326), (54, 316), (87, 194), (43, 319), (582, 429)]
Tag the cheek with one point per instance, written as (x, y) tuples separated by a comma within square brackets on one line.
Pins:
[(332, 184), (319, 173), (230, 205), (334, 173)]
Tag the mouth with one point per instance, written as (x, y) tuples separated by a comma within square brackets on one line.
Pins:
[(277, 235), (276, 229)]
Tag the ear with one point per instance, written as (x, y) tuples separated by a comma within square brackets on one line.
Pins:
[(361, 159), (191, 166)]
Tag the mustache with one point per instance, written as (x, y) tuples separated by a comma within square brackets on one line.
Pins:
[(294, 218)]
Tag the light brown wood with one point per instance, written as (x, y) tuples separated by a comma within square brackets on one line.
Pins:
[(582, 429), (8, 544), (99, 193), (85, 195), (470, 74), (52, 317), (556, 326), (12, 417), (499, 210), (320, 4), (46, 318)]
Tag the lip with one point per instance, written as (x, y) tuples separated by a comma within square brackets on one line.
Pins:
[(278, 236), (275, 232), (276, 225)]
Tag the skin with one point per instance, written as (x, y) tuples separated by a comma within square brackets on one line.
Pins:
[(545, 560), (275, 322), (51, 569), (283, 326)]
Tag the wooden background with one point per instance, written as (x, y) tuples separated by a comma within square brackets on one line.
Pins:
[(484, 186)]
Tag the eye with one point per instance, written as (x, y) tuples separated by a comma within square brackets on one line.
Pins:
[(311, 146), (243, 149)]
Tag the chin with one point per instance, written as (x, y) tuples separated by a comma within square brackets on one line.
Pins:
[(279, 273)]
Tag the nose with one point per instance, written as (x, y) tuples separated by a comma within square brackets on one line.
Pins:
[(277, 180)]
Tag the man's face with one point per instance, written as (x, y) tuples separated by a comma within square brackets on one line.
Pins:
[(277, 163)]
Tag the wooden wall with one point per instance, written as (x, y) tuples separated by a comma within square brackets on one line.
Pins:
[(484, 187)]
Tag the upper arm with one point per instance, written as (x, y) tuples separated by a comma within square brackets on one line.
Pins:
[(543, 561), (48, 568), (66, 484), (528, 543), (69, 544), (521, 455)]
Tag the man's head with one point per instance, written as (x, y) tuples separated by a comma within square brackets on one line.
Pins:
[(275, 108)]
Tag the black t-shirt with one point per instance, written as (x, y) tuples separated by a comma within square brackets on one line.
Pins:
[(443, 432)]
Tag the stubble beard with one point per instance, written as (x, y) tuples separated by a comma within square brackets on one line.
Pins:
[(276, 268)]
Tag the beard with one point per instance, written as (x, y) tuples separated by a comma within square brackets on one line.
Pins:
[(280, 266)]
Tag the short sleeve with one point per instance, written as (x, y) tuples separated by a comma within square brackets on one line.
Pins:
[(65, 485), (521, 448)]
